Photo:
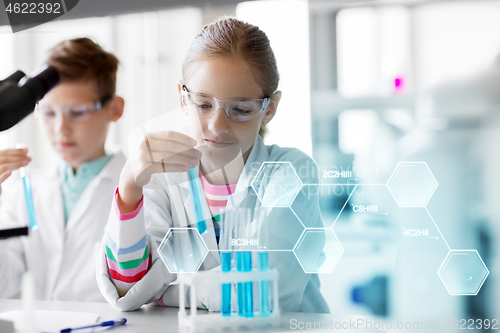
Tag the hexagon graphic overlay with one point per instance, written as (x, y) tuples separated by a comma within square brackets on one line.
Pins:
[(182, 250), (318, 250), (463, 272), (331, 200), (276, 184), (412, 184)]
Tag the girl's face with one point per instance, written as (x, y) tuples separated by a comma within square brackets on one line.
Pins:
[(221, 138)]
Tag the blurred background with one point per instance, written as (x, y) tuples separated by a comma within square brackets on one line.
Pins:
[(366, 84)]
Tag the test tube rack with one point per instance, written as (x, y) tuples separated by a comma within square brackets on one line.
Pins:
[(215, 321)]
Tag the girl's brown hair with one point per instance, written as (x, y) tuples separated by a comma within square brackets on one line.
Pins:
[(231, 37), (81, 59)]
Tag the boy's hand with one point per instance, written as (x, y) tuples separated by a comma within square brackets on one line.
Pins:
[(10, 160), (162, 151)]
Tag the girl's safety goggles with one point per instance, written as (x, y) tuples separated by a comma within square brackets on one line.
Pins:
[(237, 109)]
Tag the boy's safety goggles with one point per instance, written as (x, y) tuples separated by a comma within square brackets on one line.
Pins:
[(75, 113), (237, 109)]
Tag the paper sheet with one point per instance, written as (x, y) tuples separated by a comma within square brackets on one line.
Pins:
[(52, 321)]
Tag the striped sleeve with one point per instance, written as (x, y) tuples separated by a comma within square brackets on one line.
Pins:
[(128, 255)]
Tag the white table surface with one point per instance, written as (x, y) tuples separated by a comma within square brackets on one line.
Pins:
[(151, 318)]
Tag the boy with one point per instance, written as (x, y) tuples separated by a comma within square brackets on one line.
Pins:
[(72, 201)]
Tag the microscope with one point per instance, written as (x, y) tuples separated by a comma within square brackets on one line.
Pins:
[(18, 97), (19, 94)]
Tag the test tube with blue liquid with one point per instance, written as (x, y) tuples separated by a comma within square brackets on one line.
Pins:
[(28, 195), (247, 286), (246, 257), (195, 193), (239, 286), (263, 266), (226, 256), (239, 260)]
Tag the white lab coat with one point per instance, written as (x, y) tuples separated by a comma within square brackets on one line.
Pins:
[(61, 259), (167, 203)]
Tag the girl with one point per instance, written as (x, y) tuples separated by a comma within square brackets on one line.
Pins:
[(229, 94)]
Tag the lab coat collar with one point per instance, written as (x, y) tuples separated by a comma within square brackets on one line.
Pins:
[(113, 168), (110, 172), (181, 178), (258, 155)]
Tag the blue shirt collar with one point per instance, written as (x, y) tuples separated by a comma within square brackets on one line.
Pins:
[(86, 171)]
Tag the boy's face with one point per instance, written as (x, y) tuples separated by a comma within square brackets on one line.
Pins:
[(76, 138)]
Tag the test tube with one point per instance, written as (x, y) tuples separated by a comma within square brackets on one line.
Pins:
[(239, 261), (194, 189), (239, 286), (248, 286), (264, 308), (28, 196), (247, 267), (263, 266), (226, 263)]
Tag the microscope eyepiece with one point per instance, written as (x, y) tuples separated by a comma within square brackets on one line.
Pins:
[(40, 84), (15, 77), (18, 99)]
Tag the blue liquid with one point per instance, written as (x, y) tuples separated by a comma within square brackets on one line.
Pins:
[(28, 196), (248, 286), (264, 296), (226, 287), (201, 225), (239, 268)]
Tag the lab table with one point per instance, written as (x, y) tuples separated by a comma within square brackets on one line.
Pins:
[(154, 318)]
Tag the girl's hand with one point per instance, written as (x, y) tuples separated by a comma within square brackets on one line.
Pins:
[(10, 160), (162, 151)]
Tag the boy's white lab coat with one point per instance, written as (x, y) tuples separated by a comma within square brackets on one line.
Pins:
[(167, 203), (60, 258)]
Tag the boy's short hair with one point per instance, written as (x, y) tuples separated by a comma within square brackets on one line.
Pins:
[(81, 59)]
